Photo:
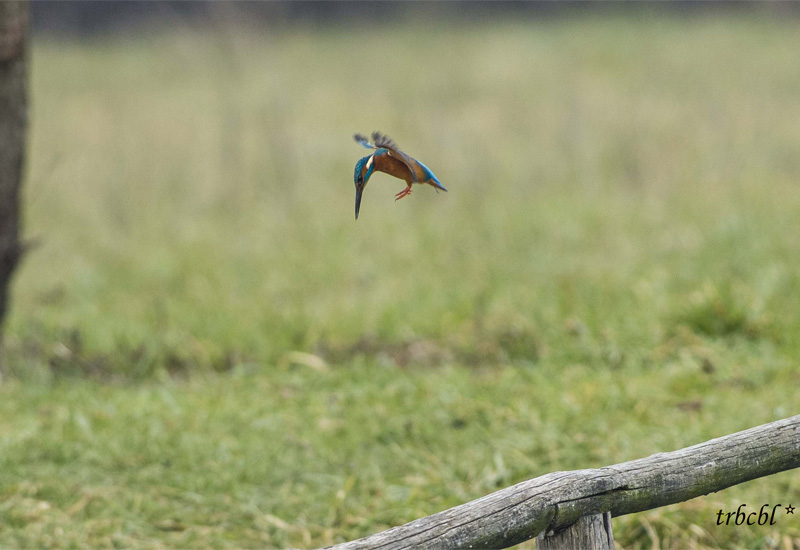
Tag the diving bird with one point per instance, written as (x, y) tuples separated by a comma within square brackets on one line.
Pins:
[(391, 160)]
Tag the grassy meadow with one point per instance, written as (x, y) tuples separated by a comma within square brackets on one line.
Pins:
[(206, 350)]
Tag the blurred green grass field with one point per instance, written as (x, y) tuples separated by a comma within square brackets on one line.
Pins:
[(613, 273)]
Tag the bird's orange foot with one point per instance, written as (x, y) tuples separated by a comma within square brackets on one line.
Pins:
[(404, 193)]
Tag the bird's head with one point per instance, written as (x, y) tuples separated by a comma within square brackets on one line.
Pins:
[(364, 169)]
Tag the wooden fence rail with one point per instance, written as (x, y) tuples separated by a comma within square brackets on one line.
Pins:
[(554, 504)]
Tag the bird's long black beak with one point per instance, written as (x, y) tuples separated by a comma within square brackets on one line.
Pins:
[(358, 200)]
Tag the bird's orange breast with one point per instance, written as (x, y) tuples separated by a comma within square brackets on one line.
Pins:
[(390, 165)]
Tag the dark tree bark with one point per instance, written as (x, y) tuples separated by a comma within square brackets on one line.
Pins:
[(13, 124)]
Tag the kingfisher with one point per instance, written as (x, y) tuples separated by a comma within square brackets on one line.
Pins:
[(390, 159)]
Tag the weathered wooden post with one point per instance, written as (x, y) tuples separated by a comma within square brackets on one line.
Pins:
[(574, 509), (588, 533)]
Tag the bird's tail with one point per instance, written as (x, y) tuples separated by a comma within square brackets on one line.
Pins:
[(436, 184), (431, 179)]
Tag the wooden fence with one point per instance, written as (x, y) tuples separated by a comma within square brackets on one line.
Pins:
[(574, 509)]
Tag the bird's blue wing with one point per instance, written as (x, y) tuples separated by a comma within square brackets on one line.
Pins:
[(385, 142), (363, 141)]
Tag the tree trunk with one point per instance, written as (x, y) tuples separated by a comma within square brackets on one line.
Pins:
[(13, 124)]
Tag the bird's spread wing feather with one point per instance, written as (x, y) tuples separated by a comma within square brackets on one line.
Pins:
[(383, 141), (363, 141)]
